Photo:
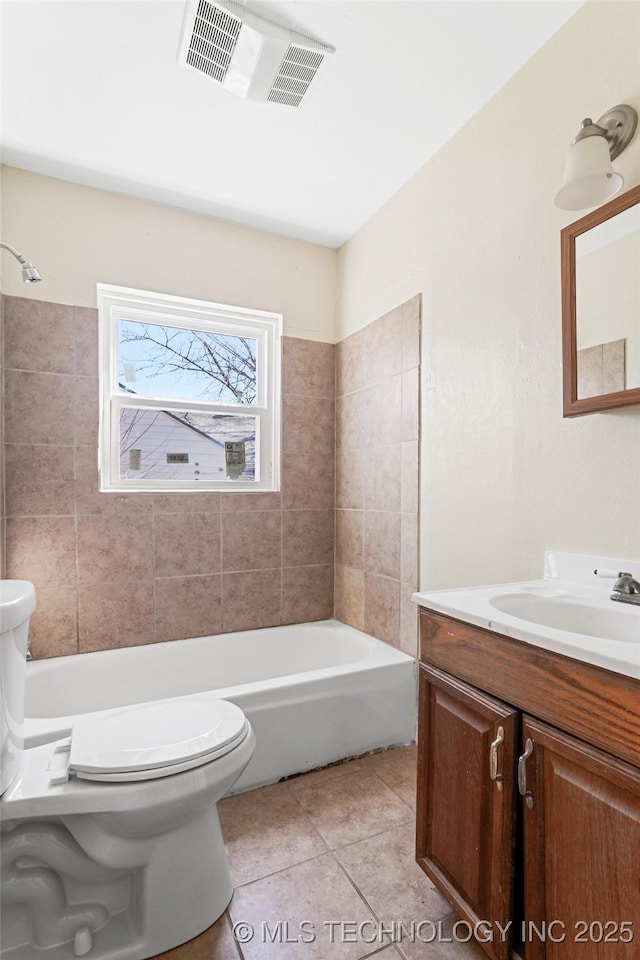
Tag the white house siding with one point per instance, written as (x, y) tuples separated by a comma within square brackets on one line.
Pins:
[(156, 434)]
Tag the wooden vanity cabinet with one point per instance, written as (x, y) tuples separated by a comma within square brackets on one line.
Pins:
[(581, 849), (558, 869), (465, 819)]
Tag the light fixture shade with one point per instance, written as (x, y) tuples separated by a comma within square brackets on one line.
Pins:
[(589, 178)]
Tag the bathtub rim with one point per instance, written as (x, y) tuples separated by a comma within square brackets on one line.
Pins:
[(379, 656)]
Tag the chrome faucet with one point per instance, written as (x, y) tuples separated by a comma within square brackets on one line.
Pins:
[(626, 589)]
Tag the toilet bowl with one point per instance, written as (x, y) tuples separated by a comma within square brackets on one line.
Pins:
[(111, 844)]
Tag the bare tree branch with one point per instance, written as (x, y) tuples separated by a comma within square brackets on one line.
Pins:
[(228, 362)]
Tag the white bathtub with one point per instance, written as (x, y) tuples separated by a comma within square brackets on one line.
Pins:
[(313, 692)]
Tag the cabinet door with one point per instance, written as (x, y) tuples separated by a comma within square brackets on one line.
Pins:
[(582, 850), (466, 801)]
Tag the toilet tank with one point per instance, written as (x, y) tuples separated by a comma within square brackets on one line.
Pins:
[(17, 603)]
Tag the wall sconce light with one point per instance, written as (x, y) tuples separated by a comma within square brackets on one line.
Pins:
[(589, 178)]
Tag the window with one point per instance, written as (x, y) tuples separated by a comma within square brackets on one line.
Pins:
[(189, 394)]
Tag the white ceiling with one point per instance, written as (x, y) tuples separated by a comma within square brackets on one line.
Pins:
[(92, 92)]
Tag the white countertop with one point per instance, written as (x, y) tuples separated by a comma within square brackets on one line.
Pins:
[(569, 589)]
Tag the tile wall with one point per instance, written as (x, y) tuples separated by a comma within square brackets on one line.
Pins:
[(117, 570), (377, 468)]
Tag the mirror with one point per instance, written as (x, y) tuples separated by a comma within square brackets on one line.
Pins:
[(601, 307)]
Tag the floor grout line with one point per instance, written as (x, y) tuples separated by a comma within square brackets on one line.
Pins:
[(305, 819)]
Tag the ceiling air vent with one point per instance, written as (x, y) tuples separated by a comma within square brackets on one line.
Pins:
[(248, 55), (297, 70), (214, 34)]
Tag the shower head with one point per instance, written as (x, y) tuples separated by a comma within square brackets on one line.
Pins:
[(30, 274)]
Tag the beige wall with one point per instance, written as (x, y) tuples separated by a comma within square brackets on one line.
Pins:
[(78, 236), (476, 232)]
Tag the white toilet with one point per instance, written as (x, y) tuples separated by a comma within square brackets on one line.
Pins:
[(111, 844)]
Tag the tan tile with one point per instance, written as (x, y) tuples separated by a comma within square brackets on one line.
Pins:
[(349, 596), (307, 537), (114, 549), (38, 480), (86, 411), (384, 869), (314, 892), (53, 631), (308, 424), (352, 470), (186, 544), (382, 543), (188, 607), (39, 336), (383, 347), (409, 477), (307, 593), (382, 477), (308, 368), (398, 769), (216, 943), (408, 620), (589, 372), (42, 549), (351, 421), (383, 406), (266, 830), (308, 463), (324, 774), (409, 549), (115, 615), (350, 808), (86, 341), (38, 408), (308, 482), (251, 600), (251, 541), (411, 333), (442, 939), (382, 608), (402, 759), (613, 366), (350, 354), (411, 405), (350, 538), (244, 502), (186, 503), (91, 500)]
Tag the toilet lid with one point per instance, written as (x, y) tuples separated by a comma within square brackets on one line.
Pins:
[(155, 739)]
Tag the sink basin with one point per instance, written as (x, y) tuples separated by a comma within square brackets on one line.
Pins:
[(568, 612), (576, 616)]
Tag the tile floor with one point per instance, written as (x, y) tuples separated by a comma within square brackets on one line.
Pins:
[(323, 868)]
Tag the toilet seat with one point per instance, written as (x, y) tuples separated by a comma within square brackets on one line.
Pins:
[(152, 740)]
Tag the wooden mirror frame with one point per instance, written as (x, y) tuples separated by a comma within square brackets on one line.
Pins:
[(573, 407)]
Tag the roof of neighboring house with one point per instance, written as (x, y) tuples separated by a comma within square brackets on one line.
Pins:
[(201, 433), (187, 423)]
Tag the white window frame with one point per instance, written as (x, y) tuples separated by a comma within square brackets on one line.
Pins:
[(124, 303)]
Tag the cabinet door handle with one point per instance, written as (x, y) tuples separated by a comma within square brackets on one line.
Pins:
[(522, 773), (493, 758)]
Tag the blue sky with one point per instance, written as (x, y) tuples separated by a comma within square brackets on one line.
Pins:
[(140, 361)]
